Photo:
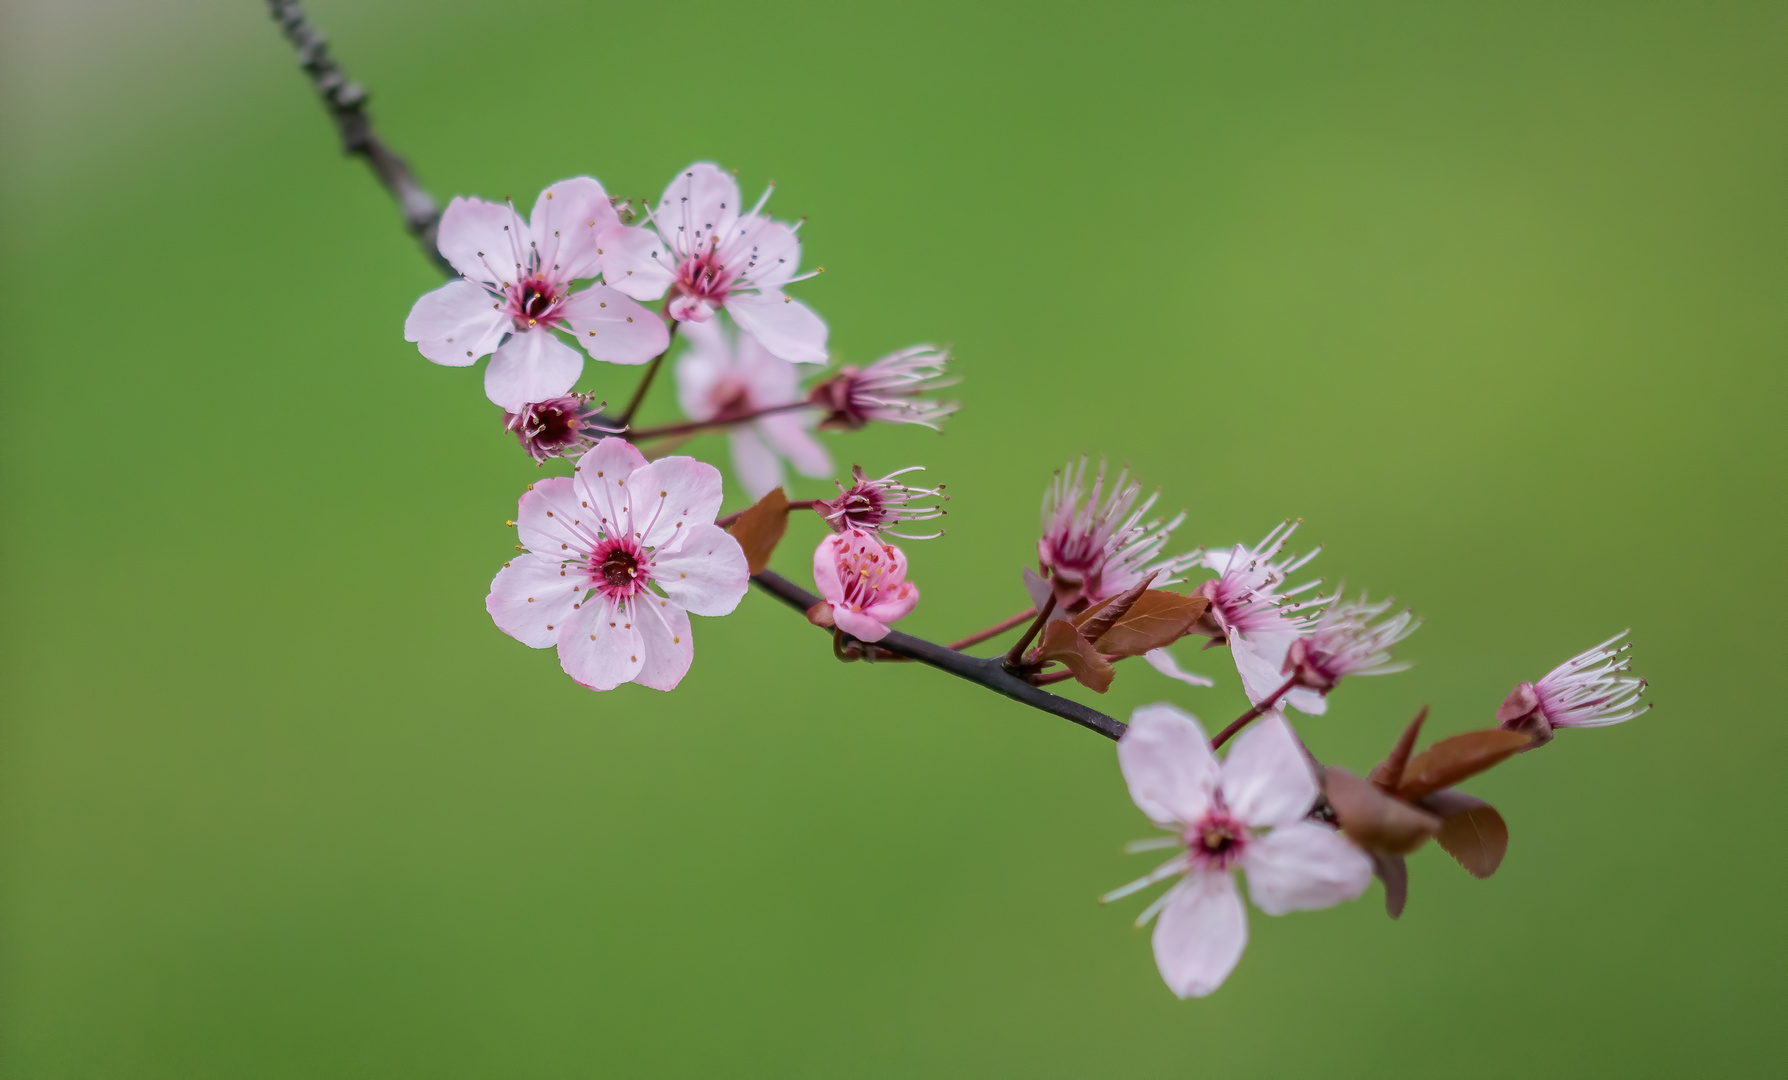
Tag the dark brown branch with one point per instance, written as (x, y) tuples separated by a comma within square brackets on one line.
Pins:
[(985, 671), (345, 101)]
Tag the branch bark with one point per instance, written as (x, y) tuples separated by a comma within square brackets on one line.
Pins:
[(987, 671)]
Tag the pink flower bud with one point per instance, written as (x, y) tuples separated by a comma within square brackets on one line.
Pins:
[(875, 506), (560, 427), (887, 390)]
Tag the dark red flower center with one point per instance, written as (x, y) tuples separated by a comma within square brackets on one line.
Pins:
[(534, 298), (619, 569)]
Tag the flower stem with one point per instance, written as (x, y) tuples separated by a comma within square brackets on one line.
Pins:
[(1247, 718), (794, 504), (645, 384), (694, 426), (997, 628), (1030, 635)]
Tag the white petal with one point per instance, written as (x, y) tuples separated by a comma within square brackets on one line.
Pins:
[(1201, 934), (768, 378), (549, 522), (707, 574), (664, 635), (702, 202), (755, 465), (786, 326), (672, 494), (482, 240), (635, 261), (600, 480), (568, 218), (788, 434), (614, 328), (1304, 866), (1162, 660), (534, 365), (600, 647), (456, 324), (1259, 658), (530, 599), (767, 252), (1168, 764), (1265, 778)]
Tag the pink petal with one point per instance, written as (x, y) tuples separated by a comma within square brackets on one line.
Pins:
[(786, 326), (769, 378), (1266, 779), (1168, 764), (894, 603), (634, 261), (788, 434), (567, 219), (1201, 934), (1304, 866), (534, 365), (825, 569), (456, 324), (670, 496), (615, 328), (600, 481), (1258, 659), (755, 465), (530, 599), (858, 624), (702, 202), (600, 647), (702, 370), (767, 251), (550, 523), (1162, 660), (664, 635), (706, 574), (482, 240)]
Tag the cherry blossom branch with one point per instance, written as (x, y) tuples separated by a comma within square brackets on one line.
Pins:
[(639, 392), (1016, 654), (694, 426), (345, 102), (1248, 717), (989, 671), (995, 630), (726, 520)]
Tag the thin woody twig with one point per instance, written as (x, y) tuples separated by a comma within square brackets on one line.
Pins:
[(345, 101), (694, 426), (984, 671), (995, 630)]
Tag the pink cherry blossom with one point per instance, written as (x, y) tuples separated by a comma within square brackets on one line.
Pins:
[(1095, 545), (1591, 689), (558, 427), (864, 581), (876, 506), (712, 256), (1259, 615), (515, 295), (726, 374), (887, 391), (1248, 812), (1345, 641), (618, 556)]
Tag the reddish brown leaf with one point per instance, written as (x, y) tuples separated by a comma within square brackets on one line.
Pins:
[(1156, 619), (1451, 760), (1471, 830), (1376, 821), (760, 529), (1063, 644), (1388, 773), (1094, 621), (1394, 872)]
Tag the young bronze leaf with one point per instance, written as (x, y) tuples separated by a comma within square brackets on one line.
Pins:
[(1157, 618), (1388, 773), (1378, 822), (1063, 644), (1394, 872), (1451, 760), (1471, 830), (1094, 621), (760, 529)]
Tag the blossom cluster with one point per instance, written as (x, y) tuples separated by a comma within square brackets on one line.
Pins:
[(615, 557)]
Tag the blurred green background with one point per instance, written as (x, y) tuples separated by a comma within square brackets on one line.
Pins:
[(1492, 295)]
